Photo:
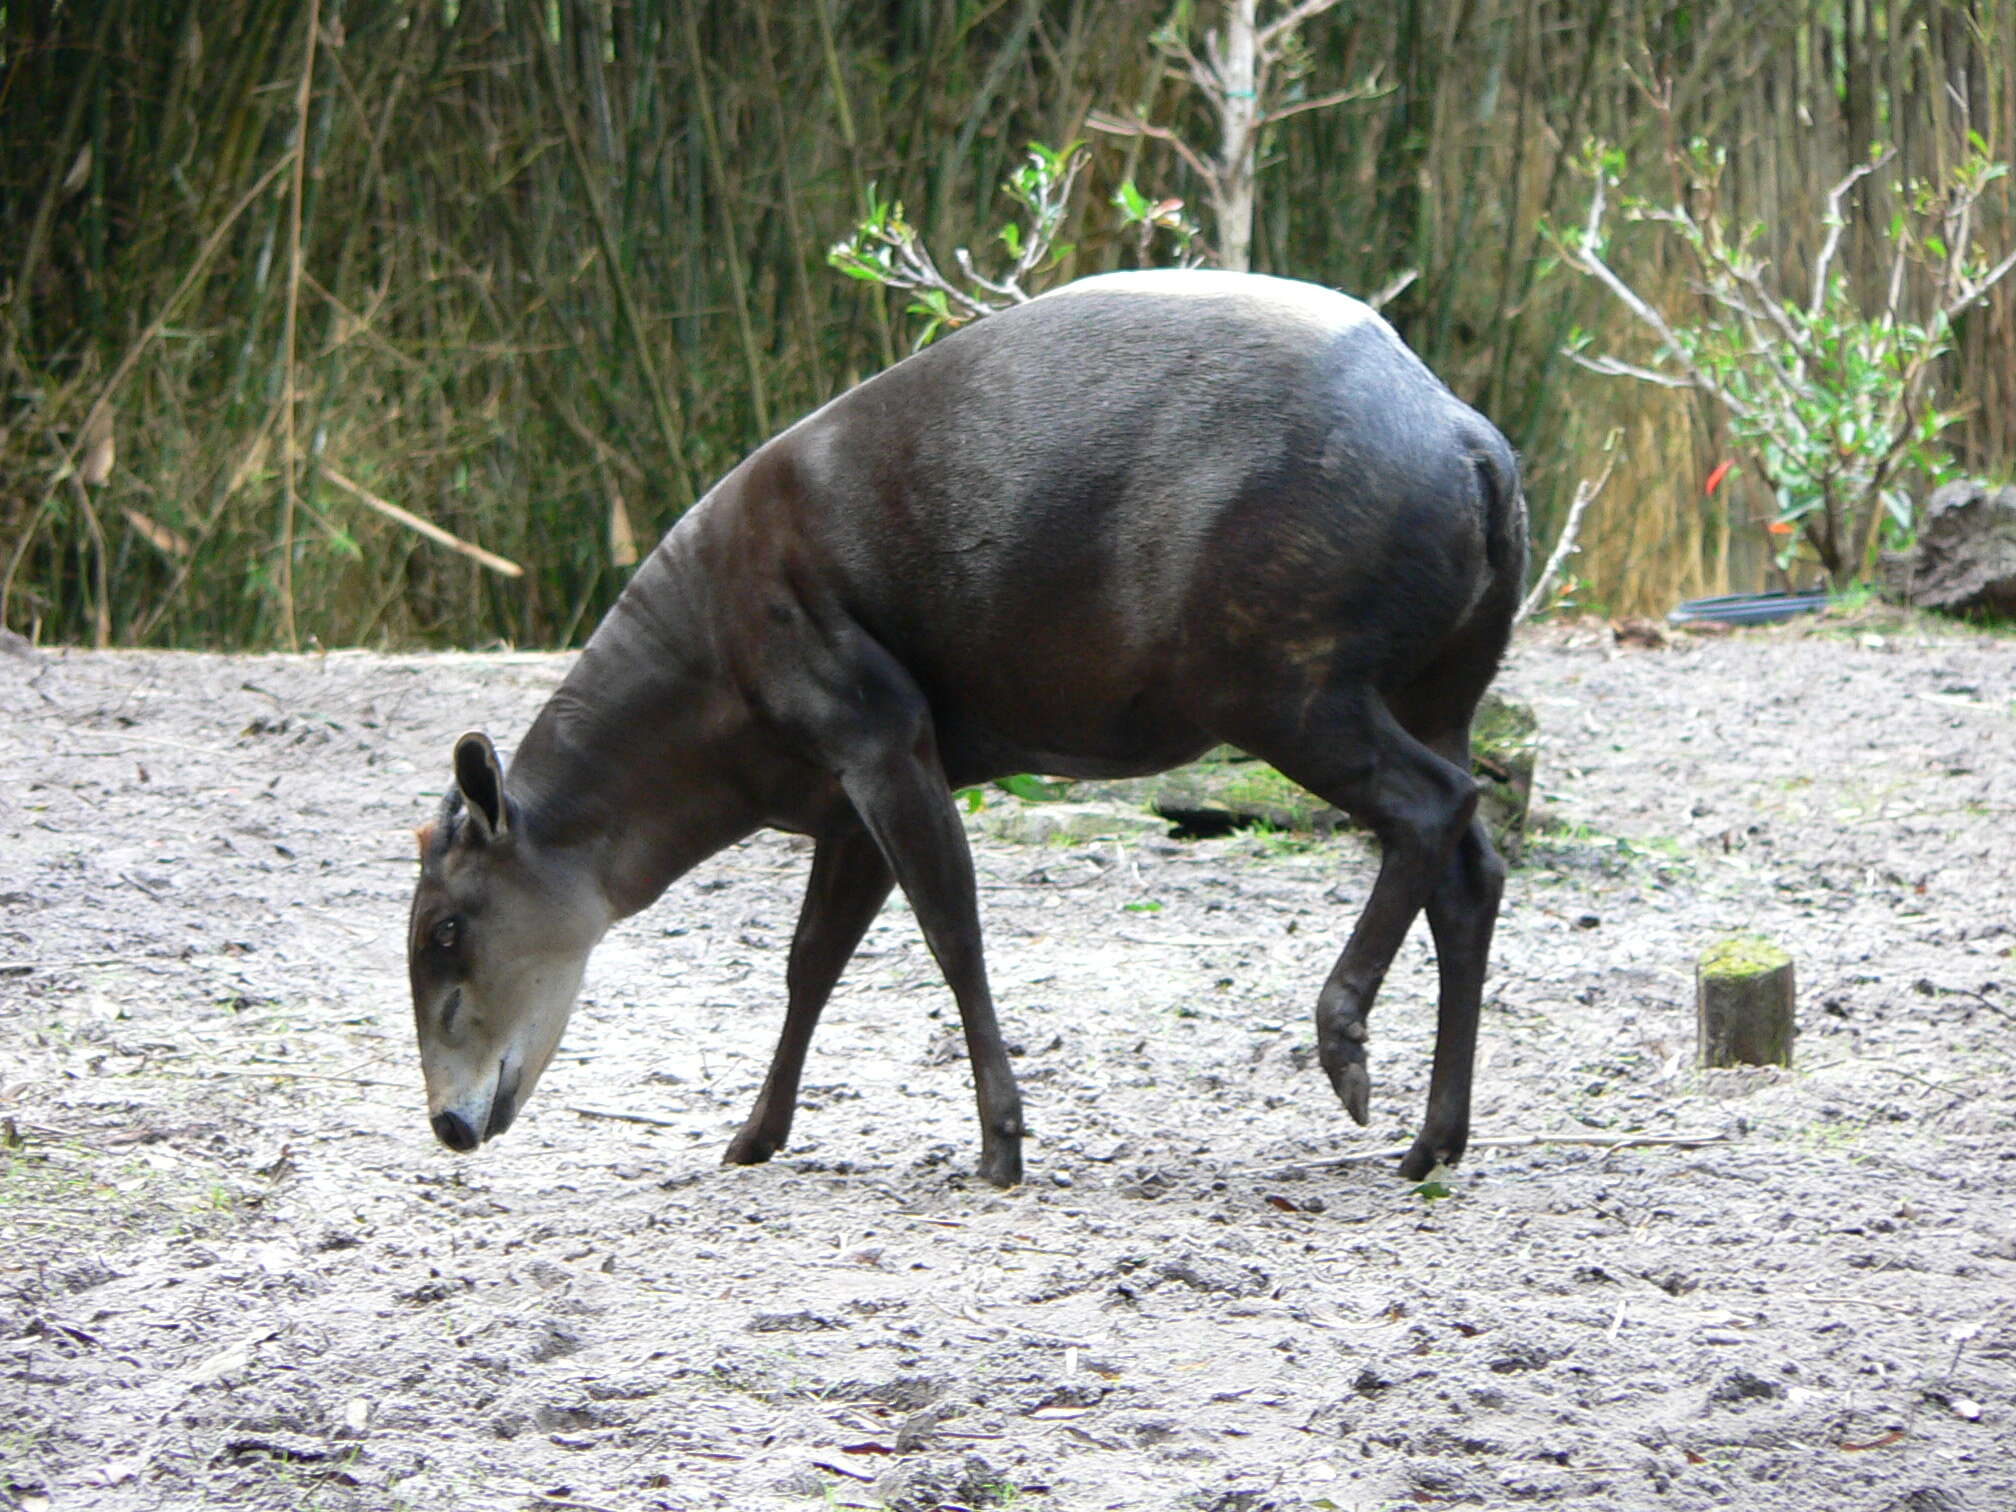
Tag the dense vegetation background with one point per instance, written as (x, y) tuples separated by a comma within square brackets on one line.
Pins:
[(547, 269)]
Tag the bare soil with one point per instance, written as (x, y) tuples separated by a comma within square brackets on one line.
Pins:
[(236, 1271)]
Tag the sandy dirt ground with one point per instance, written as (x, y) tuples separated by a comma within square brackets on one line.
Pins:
[(236, 1271)]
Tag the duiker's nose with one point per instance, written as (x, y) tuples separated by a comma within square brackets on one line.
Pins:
[(453, 1130)]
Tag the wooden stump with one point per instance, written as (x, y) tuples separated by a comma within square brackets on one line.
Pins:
[(1743, 1003)]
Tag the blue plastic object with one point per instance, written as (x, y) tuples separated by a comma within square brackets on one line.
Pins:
[(1749, 608)]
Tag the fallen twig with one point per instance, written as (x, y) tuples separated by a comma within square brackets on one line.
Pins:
[(1896, 1307), (281, 1072), (636, 1118), (1604, 1142), (22, 968), (832, 1469), (1983, 999)]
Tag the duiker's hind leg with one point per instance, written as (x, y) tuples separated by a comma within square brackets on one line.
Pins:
[(1462, 912), (1349, 750)]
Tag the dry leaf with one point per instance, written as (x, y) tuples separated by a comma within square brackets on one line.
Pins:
[(100, 449), (79, 172), (155, 534), (114, 1471), (622, 539), (225, 1361)]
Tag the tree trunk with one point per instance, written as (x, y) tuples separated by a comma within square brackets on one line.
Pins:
[(1239, 137)]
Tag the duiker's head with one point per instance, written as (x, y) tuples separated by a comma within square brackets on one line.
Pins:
[(499, 935)]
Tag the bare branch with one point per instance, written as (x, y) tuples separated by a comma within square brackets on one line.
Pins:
[(1610, 367), (1208, 72), (1134, 126), (1959, 219), (1836, 222), (1179, 52), (1289, 20), (1050, 209), (915, 268), (1769, 311), (1392, 289), (1584, 255), (1896, 295), (1585, 495), (1364, 89), (1988, 281), (1007, 288)]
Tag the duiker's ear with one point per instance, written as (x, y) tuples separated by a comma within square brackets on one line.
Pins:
[(481, 780)]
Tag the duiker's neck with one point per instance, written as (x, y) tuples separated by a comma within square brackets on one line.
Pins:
[(625, 765)]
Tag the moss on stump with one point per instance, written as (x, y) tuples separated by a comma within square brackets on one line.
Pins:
[(1743, 1001)]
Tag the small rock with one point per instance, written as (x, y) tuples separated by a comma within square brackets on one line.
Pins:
[(802, 1321), (1926, 1499), (1522, 1357), (1964, 557), (1741, 1385)]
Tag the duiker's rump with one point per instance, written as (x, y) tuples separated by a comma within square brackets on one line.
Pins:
[(1090, 536)]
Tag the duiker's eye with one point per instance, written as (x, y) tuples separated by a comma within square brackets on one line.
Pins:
[(446, 933)]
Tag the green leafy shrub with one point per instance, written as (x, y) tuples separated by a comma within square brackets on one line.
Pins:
[(1828, 391)]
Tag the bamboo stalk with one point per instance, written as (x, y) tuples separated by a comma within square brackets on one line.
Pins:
[(101, 603), (480, 317), (797, 239), (844, 112), (303, 92), (95, 415), (671, 430), (36, 245), (731, 239)]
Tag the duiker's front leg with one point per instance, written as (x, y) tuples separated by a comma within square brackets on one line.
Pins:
[(868, 723), (901, 795), (850, 880)]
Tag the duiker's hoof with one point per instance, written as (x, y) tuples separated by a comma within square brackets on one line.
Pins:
[(1354, 1089), (750, 1149), (1428, 1154), (1002, 1167)]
